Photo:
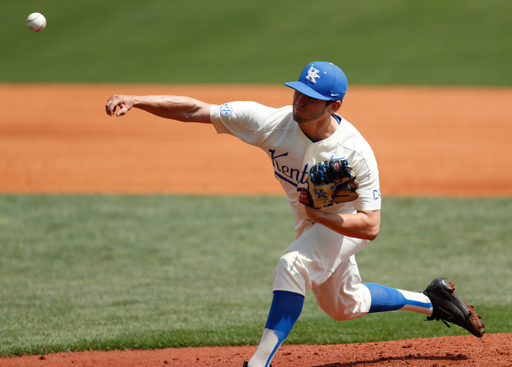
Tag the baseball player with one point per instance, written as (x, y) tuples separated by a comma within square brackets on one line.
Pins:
[(330, 176)]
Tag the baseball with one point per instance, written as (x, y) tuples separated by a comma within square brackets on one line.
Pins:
[(36, 22)]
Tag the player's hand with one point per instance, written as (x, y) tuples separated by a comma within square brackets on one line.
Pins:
[(125, 103)]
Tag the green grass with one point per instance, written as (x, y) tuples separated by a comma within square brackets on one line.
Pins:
[(438, 42), (81, 272)]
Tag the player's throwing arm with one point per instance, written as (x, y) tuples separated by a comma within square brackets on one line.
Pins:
[(178, 108)]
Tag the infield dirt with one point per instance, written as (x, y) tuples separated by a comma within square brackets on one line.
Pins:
[(428, 141)]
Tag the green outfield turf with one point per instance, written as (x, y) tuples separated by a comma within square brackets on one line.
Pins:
[(438, 42), (81, 272)]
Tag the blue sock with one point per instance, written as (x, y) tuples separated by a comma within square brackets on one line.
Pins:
[(391, 299), (284, 312), (385, 298)]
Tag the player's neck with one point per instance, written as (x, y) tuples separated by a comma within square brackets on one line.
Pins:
[(320, 129)]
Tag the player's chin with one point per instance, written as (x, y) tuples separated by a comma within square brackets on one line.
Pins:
[(297, 116)]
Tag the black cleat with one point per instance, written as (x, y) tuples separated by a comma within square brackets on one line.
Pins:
[(449, 307)]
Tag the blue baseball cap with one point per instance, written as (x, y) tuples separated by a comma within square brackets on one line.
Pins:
[(321, 80)]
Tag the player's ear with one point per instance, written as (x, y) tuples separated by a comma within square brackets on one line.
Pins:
[(334, 106)]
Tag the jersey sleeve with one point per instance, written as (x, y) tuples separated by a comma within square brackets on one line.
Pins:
[(249, 121), (369, 186), (361, 157)]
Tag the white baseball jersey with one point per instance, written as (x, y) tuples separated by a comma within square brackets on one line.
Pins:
[(292, 153)]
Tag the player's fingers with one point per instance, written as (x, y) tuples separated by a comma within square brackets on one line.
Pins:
[(123, 110), (110, 110), (111, 105)]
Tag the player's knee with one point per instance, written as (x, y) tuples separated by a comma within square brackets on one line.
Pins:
[(335, 307), (341, 310), (345, 315), (341, 302), (291, 275)]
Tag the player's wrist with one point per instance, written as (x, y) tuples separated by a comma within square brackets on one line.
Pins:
[(316, 215)]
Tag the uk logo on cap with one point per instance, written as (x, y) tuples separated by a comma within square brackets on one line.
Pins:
[(312, 75)]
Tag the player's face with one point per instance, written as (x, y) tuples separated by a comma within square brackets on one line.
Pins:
[(307, 109)]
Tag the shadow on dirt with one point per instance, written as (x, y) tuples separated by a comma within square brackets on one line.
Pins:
[(447, 358)]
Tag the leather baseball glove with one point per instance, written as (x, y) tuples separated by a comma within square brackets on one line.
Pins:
[(330, 182)]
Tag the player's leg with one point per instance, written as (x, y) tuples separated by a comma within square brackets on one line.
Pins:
[(308, 260), (284, 312), (438, 301), (291, 282), (391, 299), (344, 297)]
